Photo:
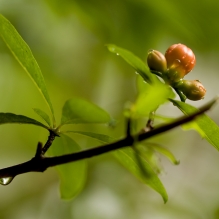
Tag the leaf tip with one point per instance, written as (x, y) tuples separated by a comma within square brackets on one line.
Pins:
[(111, 47), (177, 162), (165, 199)]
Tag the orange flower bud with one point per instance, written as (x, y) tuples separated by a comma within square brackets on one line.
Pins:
[(180, 61), (193, 90), (156, 61)]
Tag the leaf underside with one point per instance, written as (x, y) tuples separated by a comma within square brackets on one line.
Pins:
[(19, 119), (204, 125), (72, 175), (43, 115), (139, 66), (128, 159)]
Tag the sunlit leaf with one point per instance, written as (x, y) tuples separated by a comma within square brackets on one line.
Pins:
[(135, 62), (19, 119), (128, 158), (204, 125), (72, 175), (100, 137), (43, 115), (150, 99), (24, 56), (142, 86), (78, 110)]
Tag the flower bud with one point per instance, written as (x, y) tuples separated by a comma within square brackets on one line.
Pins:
[(193, 90), (180, 61), (156, 61)]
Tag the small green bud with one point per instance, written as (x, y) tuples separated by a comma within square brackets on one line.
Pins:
[(192, 89), (156, 61)]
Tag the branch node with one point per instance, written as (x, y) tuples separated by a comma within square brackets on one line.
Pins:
[(49, 142), (39, 149), (128, 128)]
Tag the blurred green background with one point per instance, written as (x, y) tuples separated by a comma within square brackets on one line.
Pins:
[(68, 39)]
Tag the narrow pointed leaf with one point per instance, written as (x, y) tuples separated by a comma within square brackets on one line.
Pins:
[(19, 119), (164, 152), (43, 115), (164, 118), (72, 175), (100, 137), (78, 110), (150, 99), (139, 66), (127, 157), (149, 154), (204, 125), (24, 56)]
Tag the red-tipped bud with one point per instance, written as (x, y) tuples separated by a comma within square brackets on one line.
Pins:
[(193, 90), (180, 61), (156, 61)]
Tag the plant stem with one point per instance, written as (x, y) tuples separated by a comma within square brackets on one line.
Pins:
[(181, 95), (51, 138), (41, 163)]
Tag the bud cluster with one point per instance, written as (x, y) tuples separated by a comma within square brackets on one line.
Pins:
[(177, 62)]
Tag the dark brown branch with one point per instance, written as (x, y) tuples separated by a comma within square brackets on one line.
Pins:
[(41, 163), (39, 150), (51, 138), (129, 128)]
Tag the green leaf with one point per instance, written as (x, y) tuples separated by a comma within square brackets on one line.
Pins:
[(43, 115), (78, 110), (72, 175), (142, 86), (19, 119), (100, 137), (149, 154), (135, 62), (128, 158), (164, 152), (150, 99), (164, 118), (204, 125), (24, 56)]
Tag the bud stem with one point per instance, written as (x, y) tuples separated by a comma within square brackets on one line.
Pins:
[(181, 95)]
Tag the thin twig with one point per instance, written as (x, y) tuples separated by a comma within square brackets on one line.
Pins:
[(181, 95), (41, 163), (128, 129), (51, 138), (39, 149)]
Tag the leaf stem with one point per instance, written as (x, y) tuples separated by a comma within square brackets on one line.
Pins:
[(181, 95)]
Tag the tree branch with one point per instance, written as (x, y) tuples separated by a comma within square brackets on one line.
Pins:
[(51, 138), (40, 163)]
